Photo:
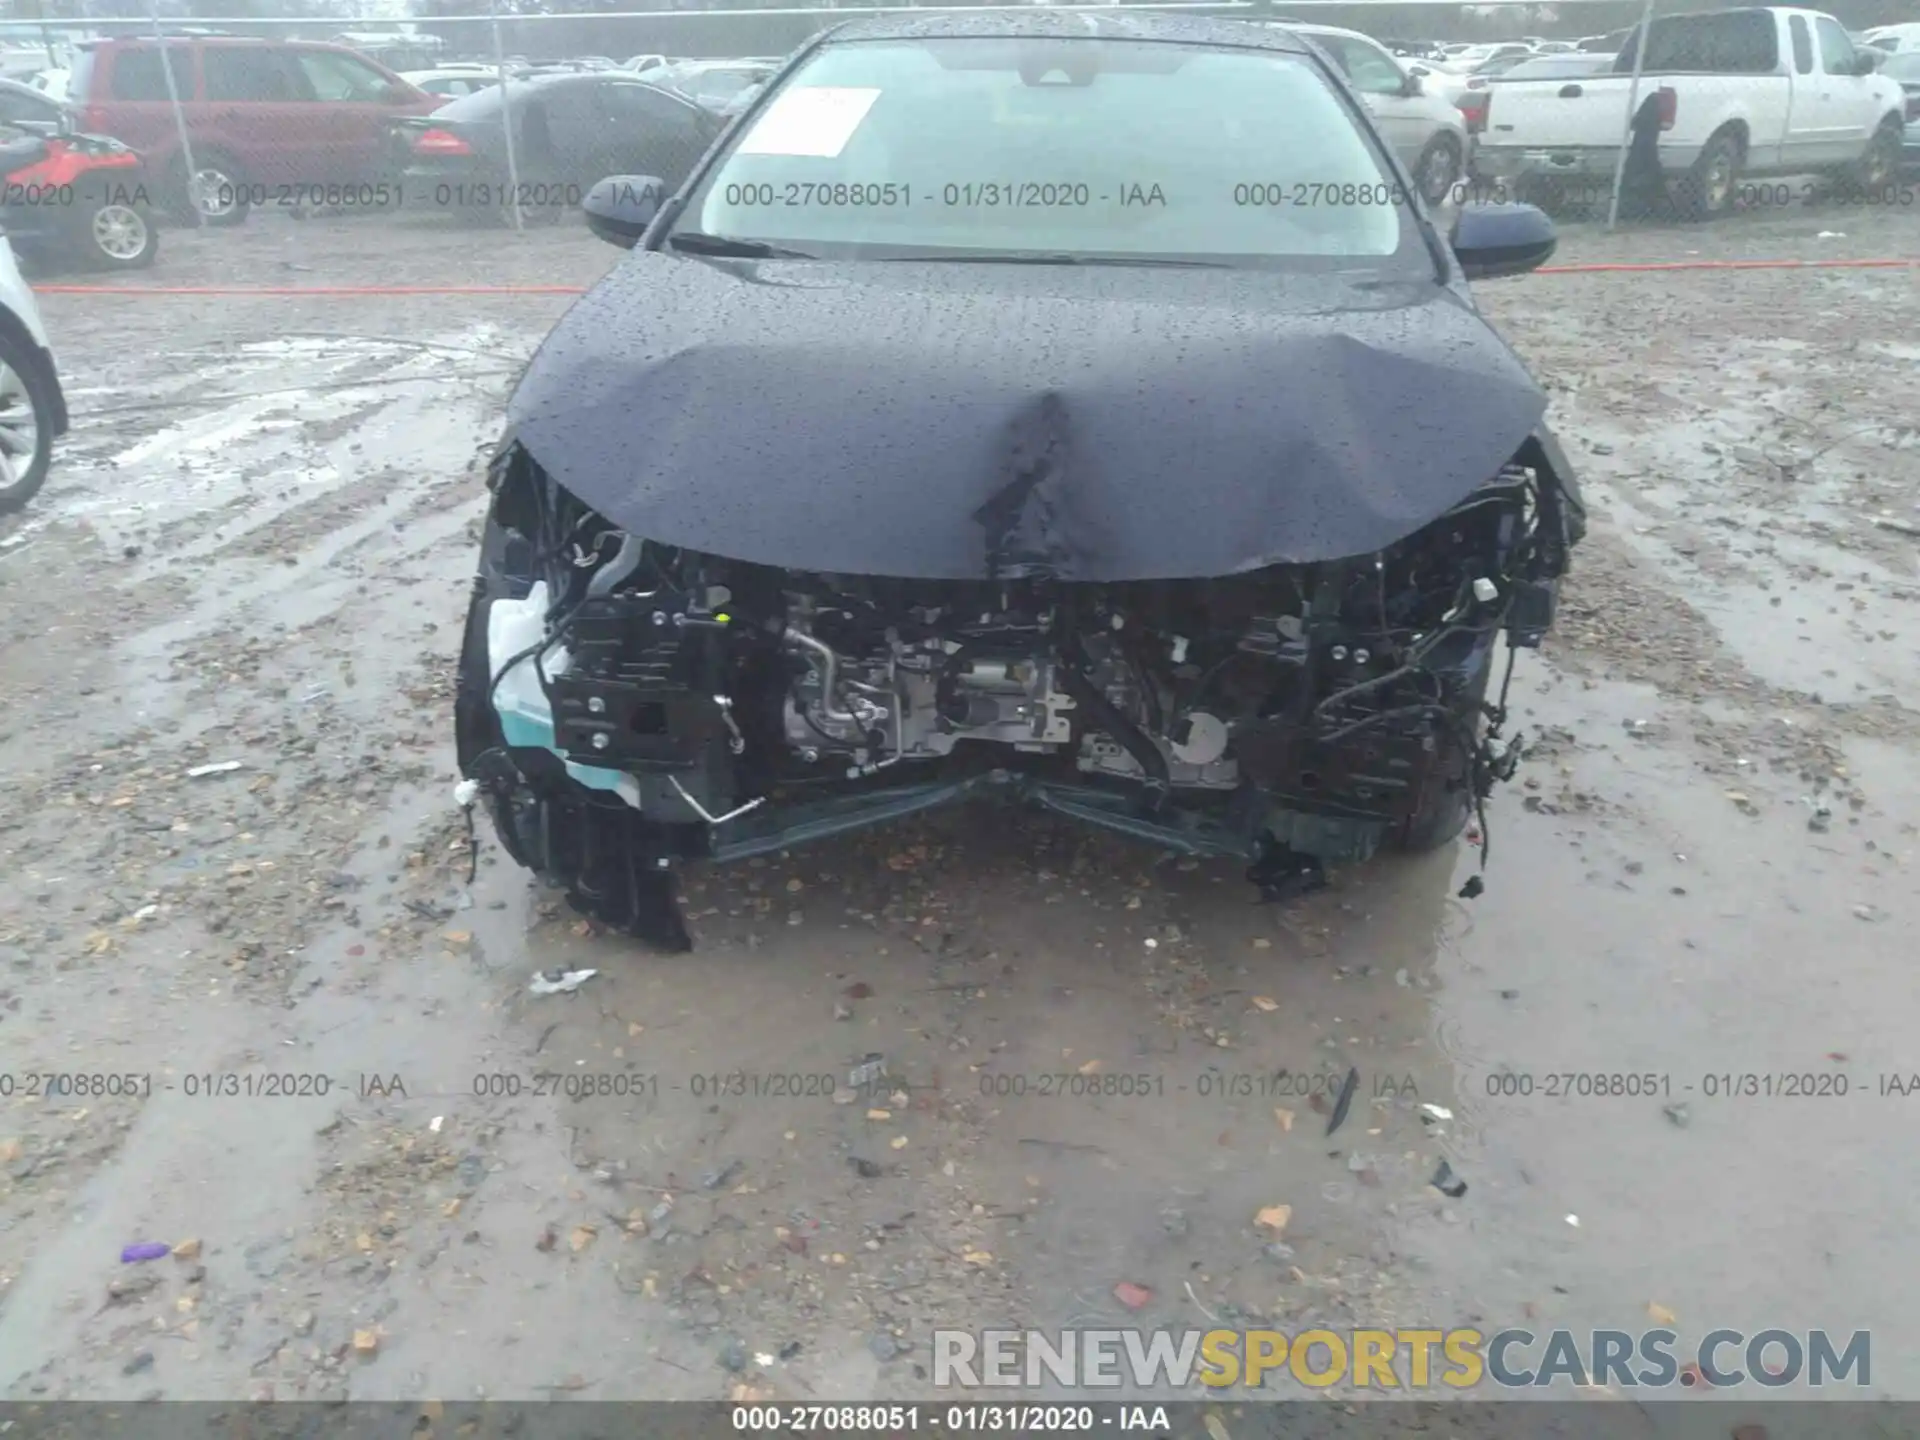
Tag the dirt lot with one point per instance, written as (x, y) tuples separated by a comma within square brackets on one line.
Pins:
[(255, 549)]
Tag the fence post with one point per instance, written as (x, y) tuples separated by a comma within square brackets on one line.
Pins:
[(1640, 40), (179, 116), (506, 116)]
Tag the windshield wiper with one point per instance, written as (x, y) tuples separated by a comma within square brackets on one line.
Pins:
[(981, 258), (696, 242)]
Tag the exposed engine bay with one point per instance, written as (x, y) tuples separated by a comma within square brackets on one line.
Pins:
[(651, 704)]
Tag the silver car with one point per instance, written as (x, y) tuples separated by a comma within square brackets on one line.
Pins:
[(1427, 130)]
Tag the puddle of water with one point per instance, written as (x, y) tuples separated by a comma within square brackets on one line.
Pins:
[(1668, 985)]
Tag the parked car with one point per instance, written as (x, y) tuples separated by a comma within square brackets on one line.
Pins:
[(451, 84), (1772, 91), (1608, 44), (1905, 69), (33, 408), (75, 198), (569, 131), (640, 64), (1469, 58), (393, 51), (1425, 130), (1901, 39), (1483, 72), (711, 84), (1567, 66), (51, 82), (268, 120), (812, 516)]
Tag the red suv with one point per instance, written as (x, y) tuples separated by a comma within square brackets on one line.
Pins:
[(292, 121)]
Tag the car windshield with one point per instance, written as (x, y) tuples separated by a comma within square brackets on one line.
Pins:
[(1074, 148)]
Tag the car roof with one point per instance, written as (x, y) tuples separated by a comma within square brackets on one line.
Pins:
[(560, 79), (685, 67), (1064, 25), (1335, 30)]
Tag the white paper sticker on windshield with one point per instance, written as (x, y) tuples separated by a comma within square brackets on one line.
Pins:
[(812, 120)]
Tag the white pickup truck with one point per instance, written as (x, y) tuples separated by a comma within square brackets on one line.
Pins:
[(1766, 91)]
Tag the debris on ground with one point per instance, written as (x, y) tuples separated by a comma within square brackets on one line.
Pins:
[(560, 982), (1448, 1183), (1134, 1297), (220, 767), (1345, 1100), (133, 1287), (714, 1179), (1274, 1218), (145, 1250)]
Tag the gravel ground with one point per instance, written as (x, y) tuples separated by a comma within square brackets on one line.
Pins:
[(254, 552)]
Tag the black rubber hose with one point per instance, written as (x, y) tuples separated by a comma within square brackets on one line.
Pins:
[(1099, 709)]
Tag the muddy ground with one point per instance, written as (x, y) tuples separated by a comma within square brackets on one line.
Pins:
[(254, 552)]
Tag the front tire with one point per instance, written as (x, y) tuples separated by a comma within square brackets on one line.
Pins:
[(29, 405), (120, 237)]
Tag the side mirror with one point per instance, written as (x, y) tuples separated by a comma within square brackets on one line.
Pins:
[(399, 93), (1490, 241), (620, 207), (1869, 60), (1412, 87)]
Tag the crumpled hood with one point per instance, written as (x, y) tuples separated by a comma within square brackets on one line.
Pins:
[(972, 421)]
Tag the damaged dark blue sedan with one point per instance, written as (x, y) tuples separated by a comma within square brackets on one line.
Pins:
[(1080, 410)]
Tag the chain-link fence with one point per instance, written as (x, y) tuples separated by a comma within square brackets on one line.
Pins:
[(500, 119)]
